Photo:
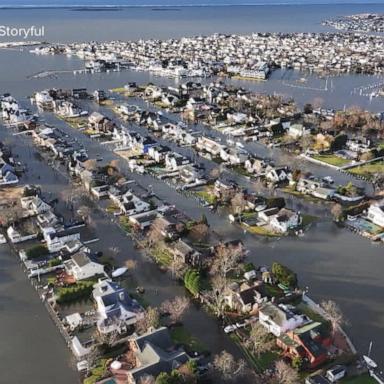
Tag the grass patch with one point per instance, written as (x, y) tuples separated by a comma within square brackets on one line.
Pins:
[(368, 170), (207, 196), (112, 208), (98, 372), (181, 336), (363, 379), (80, 290), (261, 231), (332, 160), (125, 224), (161, 255)]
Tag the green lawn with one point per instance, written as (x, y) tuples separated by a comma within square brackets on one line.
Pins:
[(364, 379), (332, 159), (208, 196), (162, 256), (368, 170), (262, 231)]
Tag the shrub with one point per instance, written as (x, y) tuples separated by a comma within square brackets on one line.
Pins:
[(284, 275), (37, 251), (192, 281)]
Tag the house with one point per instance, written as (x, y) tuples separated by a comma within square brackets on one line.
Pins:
[(158, 153), (190, 174), (154, 353), (285, 220), (82, 267), (298, 130), (67, 109), (99, 96), (277, 174), (254, 165), (166, 226), (278, 319), (233, 156), (100, 123), (376, 213), (183, 251), (34, 205), (7, 176), (336, 373), (18, 235), (205, 144), (130, 204), (44, 100), (153, 92), (307, 341), (56, 239), (116, 310), (359, 145), (143, 220), (247, 298), (175, 161)]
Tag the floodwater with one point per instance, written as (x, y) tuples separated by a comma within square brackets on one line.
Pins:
[(332, 262)]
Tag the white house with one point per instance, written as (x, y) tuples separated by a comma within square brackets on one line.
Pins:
[(34, 205), (57, 240), (376, 213), (285, 220), (298, 130), (81, 267), (116, 310), (279, 319)]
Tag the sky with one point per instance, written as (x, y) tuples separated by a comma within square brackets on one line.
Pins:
[(63, 3)]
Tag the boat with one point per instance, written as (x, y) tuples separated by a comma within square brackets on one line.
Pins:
[(370, 363), (3, 240), (119, 272)]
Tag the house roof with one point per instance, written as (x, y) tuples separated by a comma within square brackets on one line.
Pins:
[(81, 259)]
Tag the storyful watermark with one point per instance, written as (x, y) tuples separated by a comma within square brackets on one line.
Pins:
[(24, 33)]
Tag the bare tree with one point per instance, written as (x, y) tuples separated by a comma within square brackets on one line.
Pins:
[(147, 379), (238, 203), (176, 308), (227, 258), (227, 367), (114, 251), (154, 235), (259, 340), (285, 374), (333, 314), (131, 264), (200, 231), (216, 296), (90, 165), (178, 267), (151, 319), (337, 212)]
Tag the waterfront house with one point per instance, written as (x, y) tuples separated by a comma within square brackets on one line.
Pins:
[(7, 175), (158, 153), (100, 123), (184, 252), (130, 204), (56, 239), (144, 220), (255, 165), (285, 220), (277, 174), (298, 130), (81, 266), (308, 342), (175, 161), (44, 100), (34, 205), (166, 227), (376, 213), (19, 234), (206, 144), (154, 353), (246, 298), (116, 310), (278, 319)]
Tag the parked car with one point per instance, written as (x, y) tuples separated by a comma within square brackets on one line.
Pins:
[(336, 373), (230, 328)]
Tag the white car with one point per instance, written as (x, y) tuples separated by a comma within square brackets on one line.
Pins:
[(230, 328)]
